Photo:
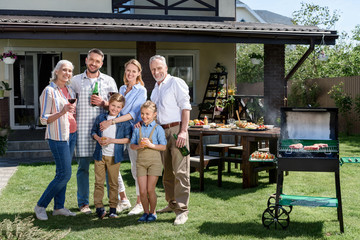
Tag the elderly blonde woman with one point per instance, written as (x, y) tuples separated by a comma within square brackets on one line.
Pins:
[(57, 113)]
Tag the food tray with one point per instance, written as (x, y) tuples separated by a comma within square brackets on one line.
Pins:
[(196, 126), (262, 160), (223, 129)]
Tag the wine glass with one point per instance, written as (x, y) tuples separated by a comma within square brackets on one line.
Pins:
[(231, 122), (72, 100)]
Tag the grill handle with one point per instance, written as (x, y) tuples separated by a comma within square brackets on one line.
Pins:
[(288, 151)]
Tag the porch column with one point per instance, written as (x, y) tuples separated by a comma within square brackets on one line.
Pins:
[(274, 74), (144, 51)]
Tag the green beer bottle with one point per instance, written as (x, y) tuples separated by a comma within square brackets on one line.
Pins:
[(95, 92), (184, 151)]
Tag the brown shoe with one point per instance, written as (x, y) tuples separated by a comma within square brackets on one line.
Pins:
[(165, 210)]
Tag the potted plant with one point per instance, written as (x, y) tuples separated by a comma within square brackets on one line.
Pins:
[(4, 132), (8, 57), (255, 58), (4, 87)]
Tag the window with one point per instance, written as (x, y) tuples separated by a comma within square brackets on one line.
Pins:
[(180, 64), (183, 66), (124, 10)]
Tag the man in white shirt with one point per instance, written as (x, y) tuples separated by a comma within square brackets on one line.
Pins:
[(171, 96), (86, 113)]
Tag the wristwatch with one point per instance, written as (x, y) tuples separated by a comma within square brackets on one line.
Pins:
[(113, 122)]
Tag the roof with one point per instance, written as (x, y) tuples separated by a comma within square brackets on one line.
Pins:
[(118, 29), (271, 17)]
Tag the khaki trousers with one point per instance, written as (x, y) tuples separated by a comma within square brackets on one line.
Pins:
[(176, 179), (106, 164)]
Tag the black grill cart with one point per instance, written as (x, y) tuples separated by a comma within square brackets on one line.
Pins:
[(308, 142)]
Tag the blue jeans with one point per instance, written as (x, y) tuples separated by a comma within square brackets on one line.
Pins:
[(62, 152), (82, 177)]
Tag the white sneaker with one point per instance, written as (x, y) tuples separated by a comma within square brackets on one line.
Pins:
[(63, 212), (40, 213), (123, 205), (181, 219), (137, 209)]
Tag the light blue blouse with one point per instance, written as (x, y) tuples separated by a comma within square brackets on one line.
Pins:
[(133, 101)]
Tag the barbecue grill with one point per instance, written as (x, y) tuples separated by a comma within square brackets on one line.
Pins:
[(308, 142)]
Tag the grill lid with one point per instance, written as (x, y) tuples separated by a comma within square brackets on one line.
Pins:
[(309, 123)]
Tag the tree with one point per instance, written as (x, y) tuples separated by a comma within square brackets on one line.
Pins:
[(344, 102), (315, 15), (343, 58), (246, 71)]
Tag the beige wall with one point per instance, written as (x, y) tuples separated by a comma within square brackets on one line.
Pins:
[(104, 6), (227, 7), (209, 55)]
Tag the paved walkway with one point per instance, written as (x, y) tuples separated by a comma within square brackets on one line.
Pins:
[(9, 166)]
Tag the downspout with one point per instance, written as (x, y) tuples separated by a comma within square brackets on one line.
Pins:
[(296, 67)]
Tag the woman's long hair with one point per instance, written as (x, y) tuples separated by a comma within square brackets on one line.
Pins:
[(138, 65)]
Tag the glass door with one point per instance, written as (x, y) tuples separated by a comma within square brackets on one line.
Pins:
[(31, 73), (23, 105)]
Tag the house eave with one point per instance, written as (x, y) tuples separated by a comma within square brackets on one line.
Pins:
[(65, 28)]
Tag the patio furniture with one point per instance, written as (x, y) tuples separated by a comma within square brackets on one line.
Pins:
[(249, 141)]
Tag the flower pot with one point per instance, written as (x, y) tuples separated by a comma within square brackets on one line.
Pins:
[(219, 109), (9, 60), (255, 61)]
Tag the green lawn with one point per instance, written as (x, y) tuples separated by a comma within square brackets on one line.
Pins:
[(229, 212)]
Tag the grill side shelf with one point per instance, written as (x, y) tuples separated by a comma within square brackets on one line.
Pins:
[(349, 160), (308, 201)]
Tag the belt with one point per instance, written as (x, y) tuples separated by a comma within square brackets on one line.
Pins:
[(169, 125)]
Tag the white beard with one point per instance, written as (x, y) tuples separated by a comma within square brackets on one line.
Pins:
[(160, 79)]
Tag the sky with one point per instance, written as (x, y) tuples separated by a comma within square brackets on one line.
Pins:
[(348, 10)]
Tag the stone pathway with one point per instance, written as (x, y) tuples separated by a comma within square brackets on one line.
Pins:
[(9, 166)]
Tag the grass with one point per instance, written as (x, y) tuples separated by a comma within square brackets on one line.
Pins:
[(229, 212)]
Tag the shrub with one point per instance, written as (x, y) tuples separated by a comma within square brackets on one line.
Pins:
[(25, 229)]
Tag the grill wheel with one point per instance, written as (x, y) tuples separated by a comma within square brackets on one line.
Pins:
[(272, 200), (270, 220)]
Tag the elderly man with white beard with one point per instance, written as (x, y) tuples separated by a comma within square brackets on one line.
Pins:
[(171, 96)]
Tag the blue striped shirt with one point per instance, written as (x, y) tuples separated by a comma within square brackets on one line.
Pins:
[(52, 101)]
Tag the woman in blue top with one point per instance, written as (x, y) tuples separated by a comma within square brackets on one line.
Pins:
[(135, 95)]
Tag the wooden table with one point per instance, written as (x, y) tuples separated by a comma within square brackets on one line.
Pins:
[(249, 140)]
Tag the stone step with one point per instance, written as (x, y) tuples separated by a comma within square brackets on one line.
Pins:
[(28, 145), (28, 154)]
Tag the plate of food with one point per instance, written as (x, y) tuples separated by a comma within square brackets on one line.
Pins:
[(196, 126), (255, 127), (224, 128)]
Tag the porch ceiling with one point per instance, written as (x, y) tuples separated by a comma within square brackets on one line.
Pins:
[(29, 26)]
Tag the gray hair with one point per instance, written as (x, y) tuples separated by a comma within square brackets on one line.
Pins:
[(57, 68), (159, 57)]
